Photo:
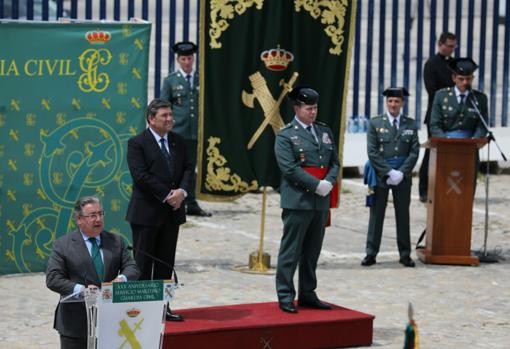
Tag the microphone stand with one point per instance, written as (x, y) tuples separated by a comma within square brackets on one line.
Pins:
[(482, 255), (168, 311), (154, 258)]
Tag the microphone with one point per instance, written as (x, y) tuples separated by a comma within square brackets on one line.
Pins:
[(472, 94), (137, 250)]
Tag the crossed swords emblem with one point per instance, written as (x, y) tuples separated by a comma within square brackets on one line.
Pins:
[(453, 181), (270, 107), (129, 333)]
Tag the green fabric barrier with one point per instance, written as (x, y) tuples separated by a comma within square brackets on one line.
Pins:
[(71, 96)]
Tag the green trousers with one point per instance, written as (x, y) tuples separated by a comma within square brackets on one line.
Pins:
[(303, 232), (401, 202)]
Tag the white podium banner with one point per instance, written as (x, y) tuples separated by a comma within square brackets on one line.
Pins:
[(131, 315), (130, 325)]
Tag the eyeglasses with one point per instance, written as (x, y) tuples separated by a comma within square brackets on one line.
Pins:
[(94, 215)]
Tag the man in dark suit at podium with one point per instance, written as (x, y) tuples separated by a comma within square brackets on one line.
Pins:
[(453, 114), (162, 174), (85, 258)]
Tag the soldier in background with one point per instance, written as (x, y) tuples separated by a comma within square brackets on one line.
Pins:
[(307, 157), (453, 114), (393, 148), (436, 76), (181, 89)]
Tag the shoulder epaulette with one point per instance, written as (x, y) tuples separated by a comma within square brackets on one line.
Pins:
[(174, 73), (286, 126), (321, 123)]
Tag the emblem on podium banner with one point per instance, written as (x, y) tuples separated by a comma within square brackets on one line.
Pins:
[(454, 182)]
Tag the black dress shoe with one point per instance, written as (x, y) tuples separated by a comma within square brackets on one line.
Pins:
[(407, 261), (368, 261), (197, 211), (288, 307), (172, 316), (423, 198), (316, 304)]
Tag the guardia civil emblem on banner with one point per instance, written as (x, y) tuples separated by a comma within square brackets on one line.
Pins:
[(252, 53), (72, 94)]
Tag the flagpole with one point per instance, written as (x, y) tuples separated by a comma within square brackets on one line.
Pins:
[(260, 265), (259, 261)]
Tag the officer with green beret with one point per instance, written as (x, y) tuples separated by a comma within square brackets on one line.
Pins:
[(308, 159), (453, 111), (393, 148), (181, 89)]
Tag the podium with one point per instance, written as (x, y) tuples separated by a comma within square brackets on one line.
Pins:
[(452, 177), (124, 314)]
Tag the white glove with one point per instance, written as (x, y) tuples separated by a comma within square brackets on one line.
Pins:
[(323, 188), (400, 177), (390, 182), (395, 177)]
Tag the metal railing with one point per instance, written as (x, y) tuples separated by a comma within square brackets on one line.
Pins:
[(403, 33)]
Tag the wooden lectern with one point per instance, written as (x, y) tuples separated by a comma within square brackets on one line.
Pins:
[(452, 178)]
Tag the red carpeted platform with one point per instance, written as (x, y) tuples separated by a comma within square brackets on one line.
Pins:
[(264, 325)]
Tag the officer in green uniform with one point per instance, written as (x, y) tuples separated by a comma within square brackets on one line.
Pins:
[(181, 89), (393, 148), (302, 147), (453, 111)]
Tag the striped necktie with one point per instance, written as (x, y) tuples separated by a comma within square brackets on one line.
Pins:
[(166, 154)]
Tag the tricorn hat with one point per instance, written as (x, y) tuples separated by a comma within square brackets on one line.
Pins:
[(462, 66), (304, 95), (396, 92), (184, 48)]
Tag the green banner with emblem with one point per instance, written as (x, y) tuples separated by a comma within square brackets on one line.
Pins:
[(252, 52), (72, 94)]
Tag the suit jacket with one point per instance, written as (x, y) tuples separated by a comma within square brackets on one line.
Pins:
[(296, 148), (448, 115), (384, 142), (153, 181), (184, 99), (436, 76), (70, 263)]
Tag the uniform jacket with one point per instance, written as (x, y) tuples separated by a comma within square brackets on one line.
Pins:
[(152, 180), (436, 76), (448, 115), (70, 263), (184, 99), (384, 142), (296, 148)]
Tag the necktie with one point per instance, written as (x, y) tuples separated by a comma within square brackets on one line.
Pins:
[(461, 99), (395, 124), (166, 155), (188, 77), (96, 259), (309, 128)]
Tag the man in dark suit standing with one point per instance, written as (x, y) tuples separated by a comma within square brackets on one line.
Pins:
[(436, 75), (162, 174), (304, 150), (83, 259)]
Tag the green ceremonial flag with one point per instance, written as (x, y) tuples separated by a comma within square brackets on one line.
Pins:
[(251, 54), (71, 96)]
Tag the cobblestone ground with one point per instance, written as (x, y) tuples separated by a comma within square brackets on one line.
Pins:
[(455, 307)]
